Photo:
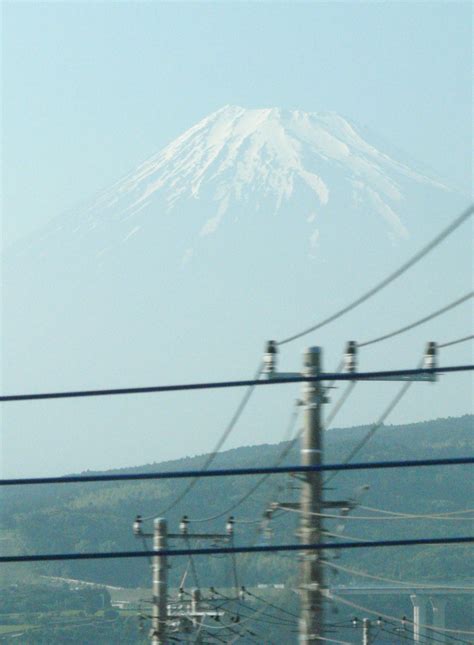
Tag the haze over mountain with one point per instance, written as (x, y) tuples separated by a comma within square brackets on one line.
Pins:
[(260, 160), (248, 226)]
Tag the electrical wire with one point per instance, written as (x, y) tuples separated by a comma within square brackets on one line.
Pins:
[(249, 383), (108, 555), (399, 517), (399, 634), (368, 436), (386, 281), (332, 415), (192, 565), (242, 622), (286, 450), (287, 622), (418, 515), (252, 619), (337, 535), (184, 576), (431, 316), (269, 604), (455, 342), (259, 482), (427, 638), (441, 630), (277, 621), (444, 638), (331, 640), (222, 439), (411, 585), (227, 472)]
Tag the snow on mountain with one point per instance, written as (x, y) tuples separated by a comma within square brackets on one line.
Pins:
[(251, 225), (261, 158)]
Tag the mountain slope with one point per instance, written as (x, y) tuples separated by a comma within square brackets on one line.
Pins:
[(247, 227), (98, 516), (235, 153), (260, 159)]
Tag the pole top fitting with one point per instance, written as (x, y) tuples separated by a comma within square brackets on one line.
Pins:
[(430, 360), (312, 356), (183, 525), (350, 357), (137, 525), (229, 527), (270, 358)]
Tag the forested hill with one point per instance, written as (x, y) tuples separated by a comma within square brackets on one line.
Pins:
[(98, 516)]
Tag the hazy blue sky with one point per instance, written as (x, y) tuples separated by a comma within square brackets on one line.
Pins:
[(90, 89)]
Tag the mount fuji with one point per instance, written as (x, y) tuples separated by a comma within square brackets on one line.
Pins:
[(258, 161), (246, 227)]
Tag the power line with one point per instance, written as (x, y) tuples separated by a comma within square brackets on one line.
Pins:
[(246, 620), (108, 555), (222, 439), (249, 383), (390, 278), (246, 606), (233, 472), (286, 450), (398, 633), (425, 319), (398, 516), (192, 565), (258, 483), (349, 603), (269, 604), (411, 585), (368, 436), (331, 640), (455, 342), (412, 515), (291, 509), (274, 619), (427, 638)]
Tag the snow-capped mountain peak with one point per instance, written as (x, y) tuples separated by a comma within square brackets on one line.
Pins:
[(237, 155)]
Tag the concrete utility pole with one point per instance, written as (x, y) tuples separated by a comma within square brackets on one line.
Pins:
[(160, 583), (420, 607), (161, 614), (312, 505), (311, 621), (366, 632), (195, 611)]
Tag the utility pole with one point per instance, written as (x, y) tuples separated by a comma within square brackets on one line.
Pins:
[(311, 621), (366, 632), (312, 505), (159, 583), (162, 615), (195, 611)]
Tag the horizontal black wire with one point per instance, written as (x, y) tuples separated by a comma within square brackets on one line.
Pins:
[(231, 472), (109, 555), (358, 376)]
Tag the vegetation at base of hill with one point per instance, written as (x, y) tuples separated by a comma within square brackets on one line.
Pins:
[(98, 517), (51, 613), (22, 598)]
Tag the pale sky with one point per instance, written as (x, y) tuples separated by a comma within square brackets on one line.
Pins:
[(89, 90)]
